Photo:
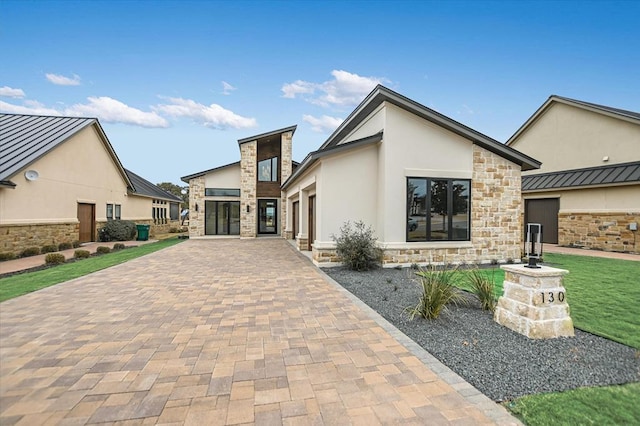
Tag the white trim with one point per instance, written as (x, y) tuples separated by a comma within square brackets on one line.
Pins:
[(431, 245), (87, 201)]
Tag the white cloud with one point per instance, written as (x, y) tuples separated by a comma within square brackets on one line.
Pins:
[(346, 89), (210, 116), (324, 124), (9, 92), (61, 80), (113, 111), (30, 107), (227, 88)]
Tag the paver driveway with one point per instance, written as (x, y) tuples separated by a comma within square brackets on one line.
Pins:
[(216, 332)]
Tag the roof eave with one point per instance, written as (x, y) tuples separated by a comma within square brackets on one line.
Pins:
[(187, 178), (291, 129)]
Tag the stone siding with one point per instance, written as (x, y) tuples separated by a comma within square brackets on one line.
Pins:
[(496, 208), (248, 195), (15, 238), (599, 231), (285, 172), (196, 216)]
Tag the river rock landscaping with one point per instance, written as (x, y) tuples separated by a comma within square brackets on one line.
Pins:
[(502, 364)]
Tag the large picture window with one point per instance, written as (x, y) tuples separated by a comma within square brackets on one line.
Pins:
[(438, 209), (268, 170), (222, 218)]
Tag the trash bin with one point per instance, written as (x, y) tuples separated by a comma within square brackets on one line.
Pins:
[(143, 232)]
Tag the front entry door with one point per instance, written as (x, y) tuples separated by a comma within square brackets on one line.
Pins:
[(87, 219), (267, 216)]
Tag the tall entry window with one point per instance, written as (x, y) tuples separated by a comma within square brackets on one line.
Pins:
[(267, 216), (268, 170), (222, 217), (438, 209)]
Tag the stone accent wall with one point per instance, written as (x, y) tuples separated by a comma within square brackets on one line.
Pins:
[(302, 243), (15, 238), (196, 196), (496, 208), (285, 172), (599, 231), (248, 181)]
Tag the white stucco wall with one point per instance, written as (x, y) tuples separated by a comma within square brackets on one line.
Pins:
[(567, 137), (78, 170), (414, 147), (369, 126), (227, 177)]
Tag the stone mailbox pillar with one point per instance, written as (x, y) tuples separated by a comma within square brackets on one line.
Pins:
[(534, 302)]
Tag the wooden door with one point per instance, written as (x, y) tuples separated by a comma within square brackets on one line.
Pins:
[(545, 212), (312, 221), (87, 219)]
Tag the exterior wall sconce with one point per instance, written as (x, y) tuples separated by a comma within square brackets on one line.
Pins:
[(248, 208), (196, 206)]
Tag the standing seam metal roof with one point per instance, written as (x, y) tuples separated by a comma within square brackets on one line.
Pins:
[(143, 187), (603, 175)]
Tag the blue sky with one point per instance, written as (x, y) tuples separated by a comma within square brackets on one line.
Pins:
[(176, 84)]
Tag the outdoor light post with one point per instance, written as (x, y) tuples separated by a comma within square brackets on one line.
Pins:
[(533, 245)]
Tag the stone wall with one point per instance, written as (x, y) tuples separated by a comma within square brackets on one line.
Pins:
[(196, 216), (285, 172), (15, 238), (248, 197), (599, 231)]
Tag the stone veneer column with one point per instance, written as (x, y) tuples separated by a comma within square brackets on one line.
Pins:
[(286, 168), (496, 207), (248, 182), (534, 302), (196, 197)]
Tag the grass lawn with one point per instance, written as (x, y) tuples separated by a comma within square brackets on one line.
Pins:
[(604, 297), (610, 405), (20, 284)]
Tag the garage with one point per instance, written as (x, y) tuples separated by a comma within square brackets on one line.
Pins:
[(545, 212)]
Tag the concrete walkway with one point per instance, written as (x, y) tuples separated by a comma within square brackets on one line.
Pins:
[(34, 261), (219, 332)]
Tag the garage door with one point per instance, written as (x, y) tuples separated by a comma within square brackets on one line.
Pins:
[(545, 212)]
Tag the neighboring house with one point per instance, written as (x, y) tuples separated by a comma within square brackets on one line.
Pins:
[(587, 192), (433, 189), (61, 180)]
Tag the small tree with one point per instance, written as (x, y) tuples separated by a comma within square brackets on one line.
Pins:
[(357, 247)]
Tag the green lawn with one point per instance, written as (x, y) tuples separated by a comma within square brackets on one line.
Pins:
[(20, 284), (610, 405), (604, 298)]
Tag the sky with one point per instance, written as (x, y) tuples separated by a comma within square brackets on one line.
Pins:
[(175, 84)]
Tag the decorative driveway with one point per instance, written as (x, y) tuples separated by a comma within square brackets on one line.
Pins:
[(218, 332)]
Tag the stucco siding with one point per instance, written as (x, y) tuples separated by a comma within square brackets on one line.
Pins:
[(369, 126), (79, 170), (414, 147), (348, 191), (565, 137), (228, 177)]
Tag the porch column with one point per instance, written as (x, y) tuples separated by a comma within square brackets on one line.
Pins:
[(248, 195)]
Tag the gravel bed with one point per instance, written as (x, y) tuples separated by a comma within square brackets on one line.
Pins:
[(500, 363)]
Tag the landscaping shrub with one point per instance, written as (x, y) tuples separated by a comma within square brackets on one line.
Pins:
[(483, 288), (65, 246), (118, 230), (30, 251), (118, 246), (103, 250), (437, 290), (76, 244), (7, 255), (49, 248), (54, 259), (81, 254), (357, 248)]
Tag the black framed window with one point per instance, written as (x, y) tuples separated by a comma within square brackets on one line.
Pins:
[(222, 192), (268, 170), (222, 218), (109, 211), (118, 211), (438, 209)]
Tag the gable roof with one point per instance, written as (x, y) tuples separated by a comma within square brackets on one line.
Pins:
[(612, 174), (27, 138), (187, 178), (383, 94), (143, 187), (630, 116)]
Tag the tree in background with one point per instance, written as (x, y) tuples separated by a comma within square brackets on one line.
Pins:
[(176, 190)]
